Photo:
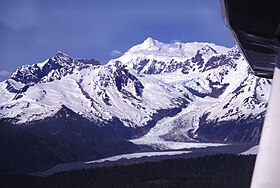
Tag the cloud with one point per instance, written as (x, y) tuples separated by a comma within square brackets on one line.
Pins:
[(115, 53), (5, 73)]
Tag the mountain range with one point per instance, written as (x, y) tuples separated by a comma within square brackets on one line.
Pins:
[(156, 95)]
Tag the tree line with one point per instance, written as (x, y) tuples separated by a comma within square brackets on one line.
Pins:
[(217, 171)]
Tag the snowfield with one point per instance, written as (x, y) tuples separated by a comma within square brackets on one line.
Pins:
[(174, 90), (139, 155), (252, 151)]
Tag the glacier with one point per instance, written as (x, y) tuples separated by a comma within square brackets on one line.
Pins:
[(177, 92)]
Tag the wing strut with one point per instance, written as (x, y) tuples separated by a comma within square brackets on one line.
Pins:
[(255, 24)]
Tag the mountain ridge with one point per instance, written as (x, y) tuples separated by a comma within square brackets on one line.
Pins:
[(156, 96), (179, 74)]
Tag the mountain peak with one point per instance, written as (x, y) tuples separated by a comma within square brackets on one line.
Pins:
[(60, 53), (62, 56), (150, 42), (176, 51), (207, 50), (194, 82)]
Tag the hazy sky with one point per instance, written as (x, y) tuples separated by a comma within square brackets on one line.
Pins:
[(34, 30)]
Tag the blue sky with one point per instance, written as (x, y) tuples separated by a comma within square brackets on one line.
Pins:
[(34, 30)]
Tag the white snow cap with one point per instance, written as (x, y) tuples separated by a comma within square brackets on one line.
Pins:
[(152, 47)]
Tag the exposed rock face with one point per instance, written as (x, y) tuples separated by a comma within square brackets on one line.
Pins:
[(150, 84)]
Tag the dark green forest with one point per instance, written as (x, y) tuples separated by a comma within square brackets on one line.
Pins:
[(217, 171)]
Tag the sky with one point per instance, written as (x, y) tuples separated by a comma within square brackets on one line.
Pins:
[(34, 30)]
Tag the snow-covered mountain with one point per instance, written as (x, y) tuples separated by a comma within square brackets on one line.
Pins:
[(161, 92)]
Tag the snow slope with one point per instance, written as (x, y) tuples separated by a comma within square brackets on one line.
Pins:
[(138, 155), (252, 151), (177, 92)]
